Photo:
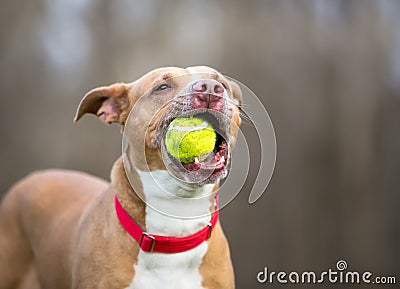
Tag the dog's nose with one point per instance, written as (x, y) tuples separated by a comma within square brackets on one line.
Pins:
[(208, 94), (211, 87)]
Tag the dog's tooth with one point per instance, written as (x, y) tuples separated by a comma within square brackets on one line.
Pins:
[(222, 159), (196, 161)]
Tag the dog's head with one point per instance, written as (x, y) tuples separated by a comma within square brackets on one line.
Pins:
[(147, 106)]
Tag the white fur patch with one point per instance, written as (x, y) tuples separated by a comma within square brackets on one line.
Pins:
[(178, 270), (169, 271)]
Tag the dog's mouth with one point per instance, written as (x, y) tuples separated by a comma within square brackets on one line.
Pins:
[(208, 168)]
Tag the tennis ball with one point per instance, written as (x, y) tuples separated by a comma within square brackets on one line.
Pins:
[(188, 138)]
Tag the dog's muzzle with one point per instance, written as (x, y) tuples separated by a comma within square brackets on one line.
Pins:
[(207, 99)]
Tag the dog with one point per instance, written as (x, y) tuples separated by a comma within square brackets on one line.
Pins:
[(65, 229)]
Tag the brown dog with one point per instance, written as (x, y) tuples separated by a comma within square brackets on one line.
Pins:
[(62, 229)]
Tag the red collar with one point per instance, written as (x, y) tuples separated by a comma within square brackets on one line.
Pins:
[(164, 244)]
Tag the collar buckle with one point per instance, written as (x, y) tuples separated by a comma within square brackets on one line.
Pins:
[(153, 241)]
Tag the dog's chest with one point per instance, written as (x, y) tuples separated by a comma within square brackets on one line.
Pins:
[(169, 271), (177, 270)]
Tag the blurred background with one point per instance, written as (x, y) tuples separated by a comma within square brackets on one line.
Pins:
[(328, 72)]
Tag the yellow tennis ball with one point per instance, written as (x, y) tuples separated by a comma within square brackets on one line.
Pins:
[(190, 137)]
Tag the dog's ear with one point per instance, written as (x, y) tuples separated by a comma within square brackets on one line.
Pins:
[(236, 92), (109, 103)]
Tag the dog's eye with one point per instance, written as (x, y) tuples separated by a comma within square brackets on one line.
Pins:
[(162, 87), (224, 85)]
